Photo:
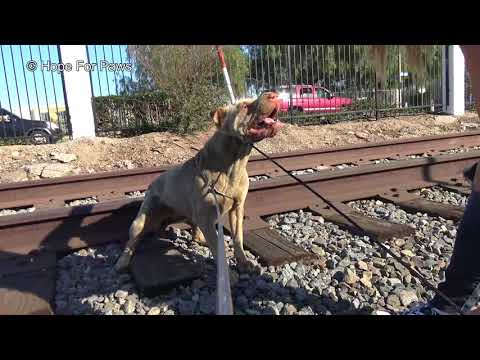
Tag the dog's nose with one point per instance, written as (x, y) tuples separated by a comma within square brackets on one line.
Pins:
[(272, 96)]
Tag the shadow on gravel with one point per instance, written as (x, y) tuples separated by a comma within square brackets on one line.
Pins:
[(252, 295), (22, 276), (95, 276)]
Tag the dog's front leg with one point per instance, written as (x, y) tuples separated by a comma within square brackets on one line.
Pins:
[(136, 230), (236, 225), (197, 235), (142, 224), (207, 227)]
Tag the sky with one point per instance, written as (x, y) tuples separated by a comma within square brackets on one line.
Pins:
[(21, 89)]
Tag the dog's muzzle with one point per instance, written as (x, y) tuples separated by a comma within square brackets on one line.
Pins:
[(266, 123)]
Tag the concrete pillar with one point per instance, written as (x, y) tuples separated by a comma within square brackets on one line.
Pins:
[(453, 80), (78, 91)]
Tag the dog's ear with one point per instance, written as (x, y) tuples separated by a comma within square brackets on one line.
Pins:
[(218, 116)]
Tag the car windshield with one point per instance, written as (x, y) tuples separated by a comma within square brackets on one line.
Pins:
[(306, 92), (322, 93)]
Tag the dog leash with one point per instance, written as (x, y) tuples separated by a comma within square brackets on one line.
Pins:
[(393, 255), (413, 271), (224, 293), (224, 304)]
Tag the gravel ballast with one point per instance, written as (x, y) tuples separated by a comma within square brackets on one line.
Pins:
[(353, 276), (5, 212)]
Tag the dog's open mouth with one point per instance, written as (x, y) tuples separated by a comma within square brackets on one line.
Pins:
[(265, 126)]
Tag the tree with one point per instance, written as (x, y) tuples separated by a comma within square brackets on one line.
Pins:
[(237, 64), (189, 76), (328, 65)]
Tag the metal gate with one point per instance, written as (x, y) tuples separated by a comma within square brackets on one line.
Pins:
[(469, 100), (32, 95), (317, 83), (335, 82)]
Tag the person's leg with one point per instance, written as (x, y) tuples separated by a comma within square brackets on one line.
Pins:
[(463, 272)]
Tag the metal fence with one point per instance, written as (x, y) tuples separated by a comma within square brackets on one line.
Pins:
[(111, 108), (335, 82), (317, 83), (469, 100), (106, 81), (32, 100)]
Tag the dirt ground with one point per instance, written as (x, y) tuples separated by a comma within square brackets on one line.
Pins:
[(154, 149)]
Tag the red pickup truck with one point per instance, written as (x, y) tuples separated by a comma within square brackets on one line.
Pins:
[(311, 98)]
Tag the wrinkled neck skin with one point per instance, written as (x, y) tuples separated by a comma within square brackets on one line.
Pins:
[(225, 154)]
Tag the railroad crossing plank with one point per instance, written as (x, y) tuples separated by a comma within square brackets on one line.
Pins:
[(463, 190), (271, 247), (27, 285), (159, 266), (266, 243), (21, 264), (418, 204), (380, 229)]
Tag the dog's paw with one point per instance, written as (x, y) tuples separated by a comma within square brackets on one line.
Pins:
[(248, 266), (122, 263), (200, 240), (197, 236)]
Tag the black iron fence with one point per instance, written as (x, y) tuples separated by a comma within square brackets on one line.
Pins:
[(127, 101), (469, 100), (317, 83), (32, 101), (114, 96), (335, 82)]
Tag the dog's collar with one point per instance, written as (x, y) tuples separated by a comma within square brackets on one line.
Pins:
[(211, 187), (243, 139)]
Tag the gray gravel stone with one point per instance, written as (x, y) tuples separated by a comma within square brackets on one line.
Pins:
[(407, 297), (289, 309), (135, 194), (258, 178), (353, 274)]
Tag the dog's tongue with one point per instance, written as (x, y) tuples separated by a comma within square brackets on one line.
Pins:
[(275, 124), (269, 121), (265, 132), (266, 105)]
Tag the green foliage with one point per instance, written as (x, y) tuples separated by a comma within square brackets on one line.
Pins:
[(156, 111), (176, 87), (327, 64), (131, 111), (312, 64), (237, 63), (189, 77)]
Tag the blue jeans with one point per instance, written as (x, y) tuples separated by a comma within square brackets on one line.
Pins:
[(463, 272)]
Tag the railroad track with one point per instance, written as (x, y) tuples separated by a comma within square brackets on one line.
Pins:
[(30, 243)]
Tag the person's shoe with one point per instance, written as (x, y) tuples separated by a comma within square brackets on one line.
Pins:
[(430, 309)]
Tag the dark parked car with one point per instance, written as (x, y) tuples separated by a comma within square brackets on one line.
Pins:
[(41, 132)]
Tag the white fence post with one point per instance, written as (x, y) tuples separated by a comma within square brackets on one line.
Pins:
[(453, 80), (78, 90)]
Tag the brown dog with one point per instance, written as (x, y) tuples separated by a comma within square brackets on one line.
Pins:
[(184, 194)]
